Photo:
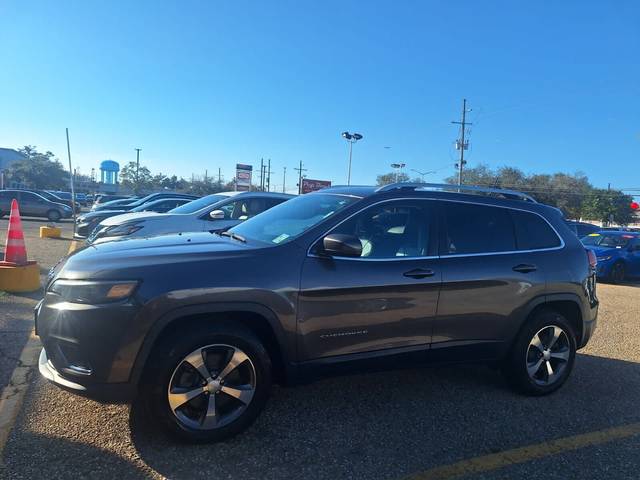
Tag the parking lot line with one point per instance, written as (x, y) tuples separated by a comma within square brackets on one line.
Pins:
[(495, 461), (73, 246)]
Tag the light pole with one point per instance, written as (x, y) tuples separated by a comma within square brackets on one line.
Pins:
[(398, 167), (422, 174), (351, 138)]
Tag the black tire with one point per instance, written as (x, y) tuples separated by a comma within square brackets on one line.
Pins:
[(54, 215), (618, 272), (168, 358), (524, 355)]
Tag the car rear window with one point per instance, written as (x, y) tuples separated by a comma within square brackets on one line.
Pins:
[(533, 232), (477, 229)]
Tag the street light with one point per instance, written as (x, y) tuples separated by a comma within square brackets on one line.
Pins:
[(351, 138), (422, 174), (398, 167)]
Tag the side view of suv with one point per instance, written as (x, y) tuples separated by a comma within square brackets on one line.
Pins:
[(196, 327), (33, 205)]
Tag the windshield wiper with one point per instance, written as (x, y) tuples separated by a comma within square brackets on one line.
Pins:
[(235, 236)]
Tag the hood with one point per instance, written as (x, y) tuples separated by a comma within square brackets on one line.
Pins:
[(126, 217), (101, 213), (94, 261)]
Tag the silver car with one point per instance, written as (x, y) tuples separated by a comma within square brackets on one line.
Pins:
[(215, 212), (32, 204)]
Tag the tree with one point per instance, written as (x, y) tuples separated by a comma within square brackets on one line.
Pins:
[(391, 177), (137, 179), (604, 205), (38, 170)]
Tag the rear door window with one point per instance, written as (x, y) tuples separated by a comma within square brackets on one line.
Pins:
[(477, 229), (533, 232)]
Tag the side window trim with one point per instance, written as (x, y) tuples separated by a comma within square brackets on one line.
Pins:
[(442, 222), (433, 240)]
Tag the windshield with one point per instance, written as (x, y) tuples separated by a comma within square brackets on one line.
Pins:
[(290, 219), (605, 240), (198, 204)]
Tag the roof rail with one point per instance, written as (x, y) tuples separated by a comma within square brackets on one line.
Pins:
[(510, 194)]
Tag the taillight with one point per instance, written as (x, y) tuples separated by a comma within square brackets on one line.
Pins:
[(593, 260)]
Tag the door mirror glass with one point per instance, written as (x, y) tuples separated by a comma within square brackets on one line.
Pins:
[(216, 215), (340, 245)]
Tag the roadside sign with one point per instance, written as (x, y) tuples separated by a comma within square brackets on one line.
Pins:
[(243, 176), (309, 185)]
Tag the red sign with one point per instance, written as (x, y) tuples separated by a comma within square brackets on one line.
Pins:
[(309, 185), (635, 205)]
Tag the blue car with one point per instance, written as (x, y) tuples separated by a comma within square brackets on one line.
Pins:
[(618, 254)]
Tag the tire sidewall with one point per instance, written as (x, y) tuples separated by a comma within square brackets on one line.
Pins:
[(617, 267), (54, 216), (167, 358), (516, 367)]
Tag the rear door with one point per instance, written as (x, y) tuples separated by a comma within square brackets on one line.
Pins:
[(383, 300), (634, 257), (488, 275)]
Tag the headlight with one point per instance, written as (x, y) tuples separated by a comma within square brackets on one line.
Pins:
[(86, 291), (121, 230), (604, 259)]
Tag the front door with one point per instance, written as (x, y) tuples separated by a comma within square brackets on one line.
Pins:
[(384, 299)]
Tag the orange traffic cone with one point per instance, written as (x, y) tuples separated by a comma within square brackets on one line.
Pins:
[(15, 250), (16, 273)]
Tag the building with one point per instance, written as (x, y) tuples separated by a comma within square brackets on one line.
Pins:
[(7, 157)]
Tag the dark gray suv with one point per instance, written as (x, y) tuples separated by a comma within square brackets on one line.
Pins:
[(195, 327)]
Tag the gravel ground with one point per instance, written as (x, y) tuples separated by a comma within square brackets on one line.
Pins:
[(381, 425)]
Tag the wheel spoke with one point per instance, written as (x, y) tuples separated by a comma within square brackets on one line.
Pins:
[(244, 393), (557, 331), (211, 417), (550, 371), (533, 368), (196, 360), (178, 399), (237, 359), (561, 355), (536, 342)]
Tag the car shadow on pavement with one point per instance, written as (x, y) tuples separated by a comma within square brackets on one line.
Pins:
[(391, 424)]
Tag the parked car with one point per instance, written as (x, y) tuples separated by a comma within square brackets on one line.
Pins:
[(197, 326), (54, 198), (66, 196), (124, 205), (101, 198), (113, 204), (618, 254), (216, 212), (33, 205), (87, 222), (582, 229)]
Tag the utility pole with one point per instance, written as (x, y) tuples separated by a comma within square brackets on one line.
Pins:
[(73, 192), (300, 170), (137, 166), (269, 175), (284, 181), (461, 143), (262, 174), (219, 178)]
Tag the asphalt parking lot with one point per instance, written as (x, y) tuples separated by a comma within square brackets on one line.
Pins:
[(445, 422)]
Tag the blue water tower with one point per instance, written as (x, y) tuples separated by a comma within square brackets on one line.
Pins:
[(109, 172)]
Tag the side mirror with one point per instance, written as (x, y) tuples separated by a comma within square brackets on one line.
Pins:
[(216, 215), (339, 245)]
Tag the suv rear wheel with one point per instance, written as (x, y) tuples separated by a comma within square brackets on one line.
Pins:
[(209, 384), (542, 357)]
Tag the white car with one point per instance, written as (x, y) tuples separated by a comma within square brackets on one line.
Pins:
[(215, 212)]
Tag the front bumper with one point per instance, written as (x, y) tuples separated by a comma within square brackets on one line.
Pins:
[(110, 392), (89, 349)]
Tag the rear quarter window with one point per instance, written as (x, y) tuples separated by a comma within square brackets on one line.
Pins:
[(533, 232)]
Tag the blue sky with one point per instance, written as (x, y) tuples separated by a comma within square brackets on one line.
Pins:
[(554, 86)]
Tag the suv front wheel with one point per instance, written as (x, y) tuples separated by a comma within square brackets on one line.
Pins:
[(209, 384), (543, 354)]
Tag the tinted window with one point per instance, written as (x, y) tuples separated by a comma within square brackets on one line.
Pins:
[(477, 229), (195, 205), (243, 209), (533, 232), (391, 230)]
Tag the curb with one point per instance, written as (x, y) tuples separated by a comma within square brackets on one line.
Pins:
[(13, 394)]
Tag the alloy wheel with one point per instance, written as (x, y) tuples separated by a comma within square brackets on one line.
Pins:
[(211, 387), (548, 355)]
